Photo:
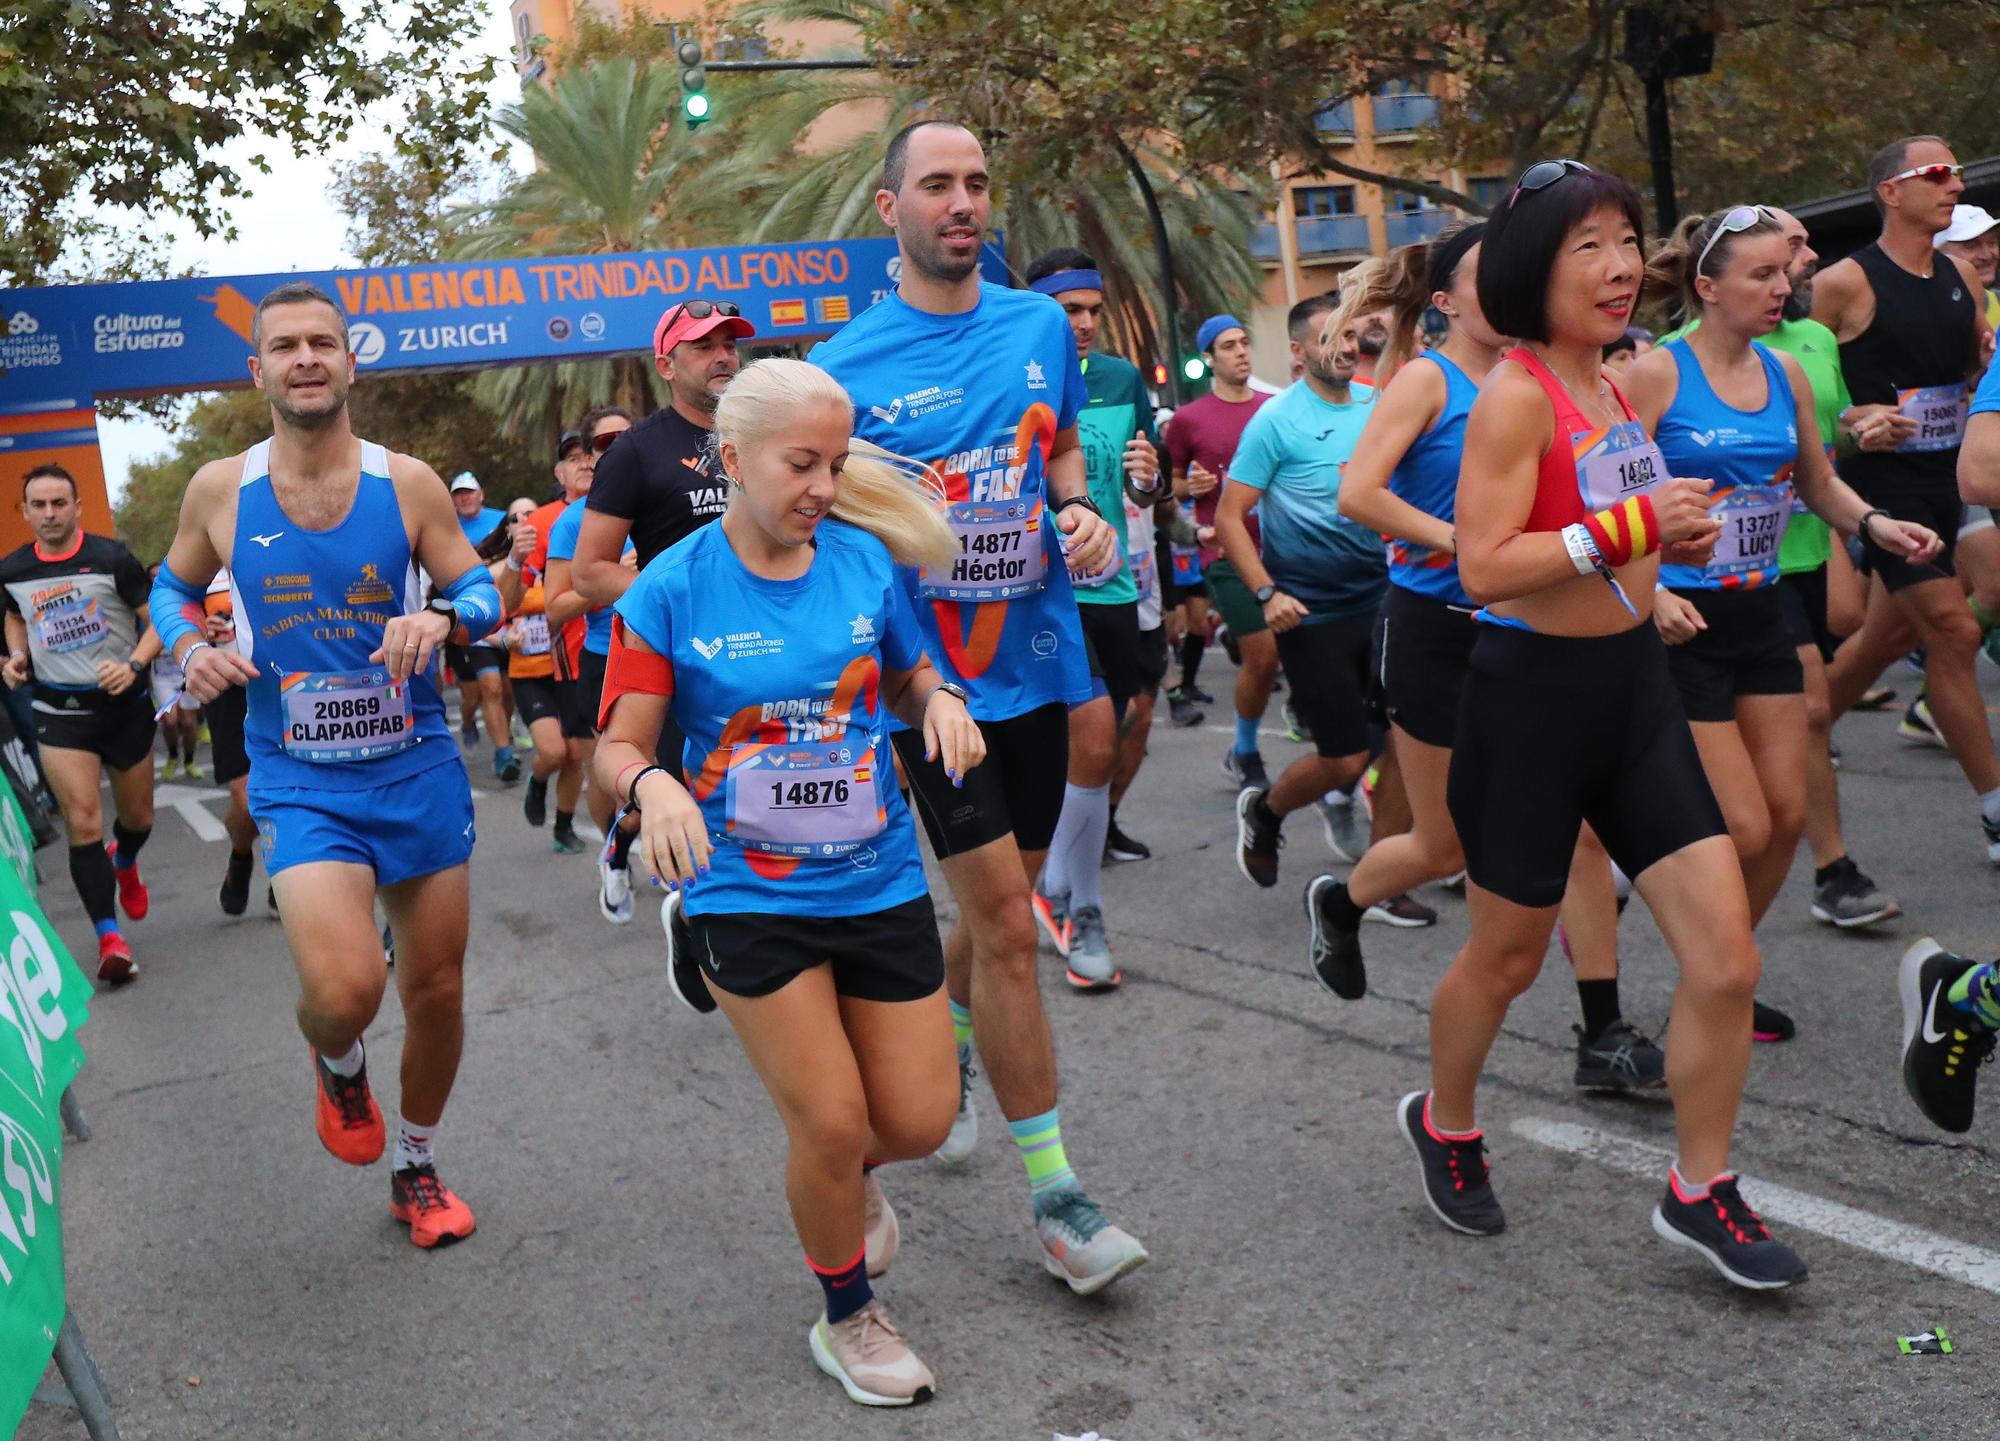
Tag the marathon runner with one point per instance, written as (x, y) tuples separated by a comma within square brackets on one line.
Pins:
[(983, 383), (227, 752), (1201, 437), (1912, 330), (1570, 714), (76, 608), (177, 713), (1115, 426), (1973, 237), (355, 783), (480, 668), (1146, 557), (782, 826)]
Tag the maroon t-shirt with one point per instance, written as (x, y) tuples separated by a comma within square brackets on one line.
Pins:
[(1207, 429)]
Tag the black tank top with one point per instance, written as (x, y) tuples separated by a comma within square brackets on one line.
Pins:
[(1922, 338)]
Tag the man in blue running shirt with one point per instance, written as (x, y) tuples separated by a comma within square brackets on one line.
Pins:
[(982, 384), (355, 782)]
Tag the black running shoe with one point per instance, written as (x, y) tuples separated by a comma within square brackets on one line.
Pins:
[(1768, 1023), (1455, 1177), (535, 802), (235, 892), (1120, 847), (1620, 1058), (1723, 1228), (1333, 955), (1196, 694), (1257, 838), (1943, 1047), (1183, 714), (388, 944), (684, 977)]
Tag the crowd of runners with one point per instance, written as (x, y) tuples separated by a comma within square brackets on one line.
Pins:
[(1562, 609)]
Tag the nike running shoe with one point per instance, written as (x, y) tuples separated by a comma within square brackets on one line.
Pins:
[(1343, 816), (235, 892), (964, 1134), (133, 897), (1120, 847), (115, 965), (870, 1359), (881, 1232), (1619, 1058), (193, 771), (435, 1216), (1847, 898), (1181, 712), (535, 802), (1769, 1024), (1333, 955), (1943, 1047), (1457, 1185), (1257, 838), (1916, 661), (684, 977), (1052, 915), (614, 894), (1090, 965), (1081, 1248), (1917, 725), (1723, 1229), (568, 843), (346, 1116), (1403, 911)]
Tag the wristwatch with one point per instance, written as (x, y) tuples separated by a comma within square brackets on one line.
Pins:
[(138, 667), (1083, 500), (950, 688), (440, 606), (1264, 593)]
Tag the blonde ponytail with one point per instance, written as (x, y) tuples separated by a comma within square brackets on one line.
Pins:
[(895, 500)]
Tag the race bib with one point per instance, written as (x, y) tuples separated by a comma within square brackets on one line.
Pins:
[(1000, 552), (814, 798), (1624, 463), (71, 623), (1187, 564), (1753, 527), (1145, 573), (532, 635), (1939, 411), (330, 718)]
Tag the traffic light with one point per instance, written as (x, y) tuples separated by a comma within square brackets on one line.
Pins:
[(1194, 367), (1159, 375), (694, 84)]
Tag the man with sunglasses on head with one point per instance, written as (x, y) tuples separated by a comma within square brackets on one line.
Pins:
[(1912, 329)]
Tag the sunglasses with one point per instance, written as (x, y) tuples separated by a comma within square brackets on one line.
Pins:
[(602, 442), (1541, 175), (1936, 174), (702, 309), (1738, 220)]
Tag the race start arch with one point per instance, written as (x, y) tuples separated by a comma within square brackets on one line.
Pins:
[(63, 348)]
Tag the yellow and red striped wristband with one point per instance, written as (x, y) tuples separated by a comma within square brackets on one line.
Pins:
[(1625, 530)]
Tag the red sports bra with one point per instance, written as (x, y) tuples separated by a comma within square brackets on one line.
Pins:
[(1587, 467)]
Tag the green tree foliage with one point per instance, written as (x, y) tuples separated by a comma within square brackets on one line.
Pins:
[(130, 104)]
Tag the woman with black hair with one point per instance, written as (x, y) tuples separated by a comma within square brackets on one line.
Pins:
[(1564, 506)]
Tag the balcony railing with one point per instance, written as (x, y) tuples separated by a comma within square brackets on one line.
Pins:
[(1399, 114), (1335, 119), (1405, 227), (1317, 235)]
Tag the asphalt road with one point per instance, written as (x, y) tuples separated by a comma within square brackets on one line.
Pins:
[(635, 1272)]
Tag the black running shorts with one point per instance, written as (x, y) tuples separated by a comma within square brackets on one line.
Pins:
[(1017, 790), (225, 734), (1326, 665), (1426, 646), (535, 698), (118, 729), (1557, 730), (891, 955), (1941, 510), (1152, 659), (1803, 593), (1111, 644), (1746, 650)]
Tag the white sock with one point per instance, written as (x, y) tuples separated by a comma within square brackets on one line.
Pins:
[(415, 1145), (1989, 806), (346, 1067)]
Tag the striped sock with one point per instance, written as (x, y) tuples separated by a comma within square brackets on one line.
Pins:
[(961, 1025), (1040, 1140), (1977, 993)]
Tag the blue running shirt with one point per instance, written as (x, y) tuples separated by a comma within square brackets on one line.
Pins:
[(1749, 455), (776, 684), (1427, 477), (981, 396), (562, 546)]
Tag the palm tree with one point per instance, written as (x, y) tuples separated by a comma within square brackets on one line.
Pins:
[(613, 173)]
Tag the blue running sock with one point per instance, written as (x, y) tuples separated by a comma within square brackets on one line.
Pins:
[(846, 1287), (1246, 734), (106, 928), (1977, 993)]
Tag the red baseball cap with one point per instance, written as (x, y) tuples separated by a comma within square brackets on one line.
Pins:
[(679, 324)]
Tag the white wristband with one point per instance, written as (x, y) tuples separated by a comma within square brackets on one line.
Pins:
[(1582, 553)]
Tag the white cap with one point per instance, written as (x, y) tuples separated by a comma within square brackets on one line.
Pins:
[(466, 480), (1968, 222)]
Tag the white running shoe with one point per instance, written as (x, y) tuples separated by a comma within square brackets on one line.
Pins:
[(1081, 1248), (870, 1359), (614, 894), (964, 1134)]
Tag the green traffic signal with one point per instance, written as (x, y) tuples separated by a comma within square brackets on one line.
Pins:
[(696, 106), (1194, 368), (694, 83)]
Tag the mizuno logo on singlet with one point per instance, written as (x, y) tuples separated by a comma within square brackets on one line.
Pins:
[(265, 540)]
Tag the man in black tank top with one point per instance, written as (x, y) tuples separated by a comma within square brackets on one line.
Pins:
[(1912, 329)]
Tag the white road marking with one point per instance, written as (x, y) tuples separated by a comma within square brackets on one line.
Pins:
[(1877, 1235), (191, 803)]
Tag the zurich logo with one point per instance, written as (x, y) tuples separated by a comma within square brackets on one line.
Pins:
[(368, 341)]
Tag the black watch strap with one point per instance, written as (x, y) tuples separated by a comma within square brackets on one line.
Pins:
[(1083, 500), (1263, 593)]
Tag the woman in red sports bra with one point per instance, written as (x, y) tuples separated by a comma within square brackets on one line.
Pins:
[(1569, 714)]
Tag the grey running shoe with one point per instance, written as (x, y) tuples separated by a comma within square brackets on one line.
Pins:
[(1847, 898), (1619, 1059), (1052, 915), (1345, 822), (964, 1133), (1090, 965), (881, 1232), (1183, 713), (1246, 771), (1401, 911), (870, 1359), (1081, 1248)]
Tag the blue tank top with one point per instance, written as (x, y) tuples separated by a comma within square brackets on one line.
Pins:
[(1427, 477), (310, 607), (1749, 455)]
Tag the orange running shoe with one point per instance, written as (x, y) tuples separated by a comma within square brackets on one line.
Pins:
[(132, 892), (427, 1206), (346, 1116), (115, 965)]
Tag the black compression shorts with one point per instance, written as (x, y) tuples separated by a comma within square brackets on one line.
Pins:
[(1426, 647), (890, 955), (1017, 790), (1746, 650)]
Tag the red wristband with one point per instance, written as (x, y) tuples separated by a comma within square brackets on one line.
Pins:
[(1625, 530)]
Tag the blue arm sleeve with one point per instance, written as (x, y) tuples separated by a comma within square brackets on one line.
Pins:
[(476, 599), (176, 607)]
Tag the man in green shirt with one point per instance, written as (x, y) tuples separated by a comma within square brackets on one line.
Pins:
[(1119, 448)]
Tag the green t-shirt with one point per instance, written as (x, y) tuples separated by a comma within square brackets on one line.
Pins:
[(1808, 540), (1116, 408)]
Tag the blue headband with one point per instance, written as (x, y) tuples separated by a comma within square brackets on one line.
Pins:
[(1215, 325), (1068, 280)]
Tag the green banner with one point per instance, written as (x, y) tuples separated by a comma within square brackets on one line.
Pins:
[(44, 1001)]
